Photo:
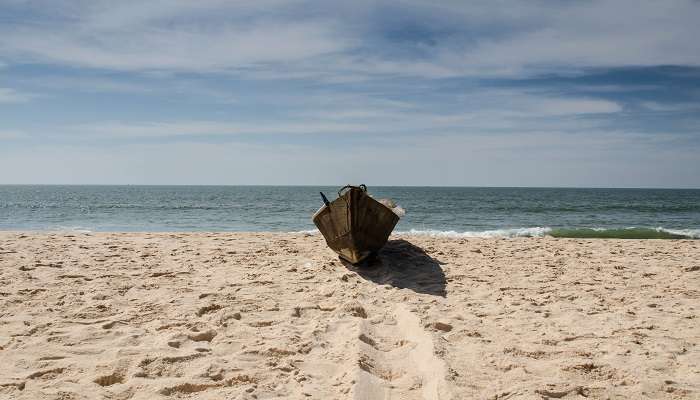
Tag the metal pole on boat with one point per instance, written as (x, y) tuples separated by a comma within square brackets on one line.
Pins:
[(325, 200)]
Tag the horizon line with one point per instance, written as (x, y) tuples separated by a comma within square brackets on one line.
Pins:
[(337, 185)]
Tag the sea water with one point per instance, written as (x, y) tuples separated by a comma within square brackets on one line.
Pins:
[(441, 211)]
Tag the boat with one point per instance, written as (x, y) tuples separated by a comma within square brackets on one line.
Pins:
[(355, 225)]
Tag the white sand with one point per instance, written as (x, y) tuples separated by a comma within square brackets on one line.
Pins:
[(243, 316)]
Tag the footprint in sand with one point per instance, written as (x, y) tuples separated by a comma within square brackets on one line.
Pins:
[(397, 359), (206, 336), (46, 374), (8, 388), (208, 309), (225, 318), (165, 366), (439, 326), (355, 309), (198, 341), (187, 388), (109, 380)]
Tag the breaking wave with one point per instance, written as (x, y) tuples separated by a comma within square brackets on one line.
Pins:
[(505, 233), (583, 233)]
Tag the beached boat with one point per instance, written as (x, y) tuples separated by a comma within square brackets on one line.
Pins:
[(355, 225)]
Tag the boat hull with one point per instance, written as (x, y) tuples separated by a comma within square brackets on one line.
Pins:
[(355, 225)]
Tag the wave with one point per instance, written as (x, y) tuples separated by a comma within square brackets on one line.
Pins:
[(582, 233), (47, 228), (496, 233), (577, 233), (308, 232)]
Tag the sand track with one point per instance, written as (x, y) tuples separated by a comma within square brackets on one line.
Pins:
[(396, 360)]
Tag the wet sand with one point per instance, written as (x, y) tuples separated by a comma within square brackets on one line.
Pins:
[(259, 316)]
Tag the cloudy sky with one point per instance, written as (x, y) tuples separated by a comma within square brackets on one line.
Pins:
[(479, 93)]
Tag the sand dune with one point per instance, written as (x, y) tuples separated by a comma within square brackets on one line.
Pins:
[(259, 316)]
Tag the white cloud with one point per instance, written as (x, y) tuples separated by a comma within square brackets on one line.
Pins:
[(275, 38), (110, 15), (511, 102), (670, 107), (200, 50), (177, 35), (530, 38), (592, 34), (573, 106), (479, 111), (86, 84), (210, 128)]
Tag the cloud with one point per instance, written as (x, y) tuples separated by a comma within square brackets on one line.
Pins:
[(85, 84), (9, 95), (448, 89), (209, 128), (161, 35), (592, 34), (485, 39), (513, 102), (180, 49), (671, 107), (335, 117), (549, 35), (275, 39)]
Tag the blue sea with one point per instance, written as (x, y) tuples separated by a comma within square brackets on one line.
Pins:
[(448, 211)]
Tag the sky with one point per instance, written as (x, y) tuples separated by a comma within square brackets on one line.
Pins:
[(449, 93)]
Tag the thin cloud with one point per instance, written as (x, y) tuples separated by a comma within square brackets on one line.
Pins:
[(185, 50), (497, 111), (671, 107), (208, 128), (274, 39), (9, 95)]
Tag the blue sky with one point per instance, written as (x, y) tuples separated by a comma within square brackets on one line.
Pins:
[(487, 93)]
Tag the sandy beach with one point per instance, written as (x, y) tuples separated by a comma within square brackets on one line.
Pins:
[(259, 316)]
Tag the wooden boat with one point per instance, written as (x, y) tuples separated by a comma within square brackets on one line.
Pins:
[(355, 225)]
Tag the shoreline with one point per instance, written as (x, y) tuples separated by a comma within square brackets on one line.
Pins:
[(631, 233), (264, 315)]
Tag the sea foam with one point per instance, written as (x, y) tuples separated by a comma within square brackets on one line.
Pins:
[(581, 233), (495, 233)]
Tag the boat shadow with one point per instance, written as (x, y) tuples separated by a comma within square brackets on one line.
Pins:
[(404, 265)]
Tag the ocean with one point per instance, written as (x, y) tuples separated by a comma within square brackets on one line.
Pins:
[(441, 211)]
